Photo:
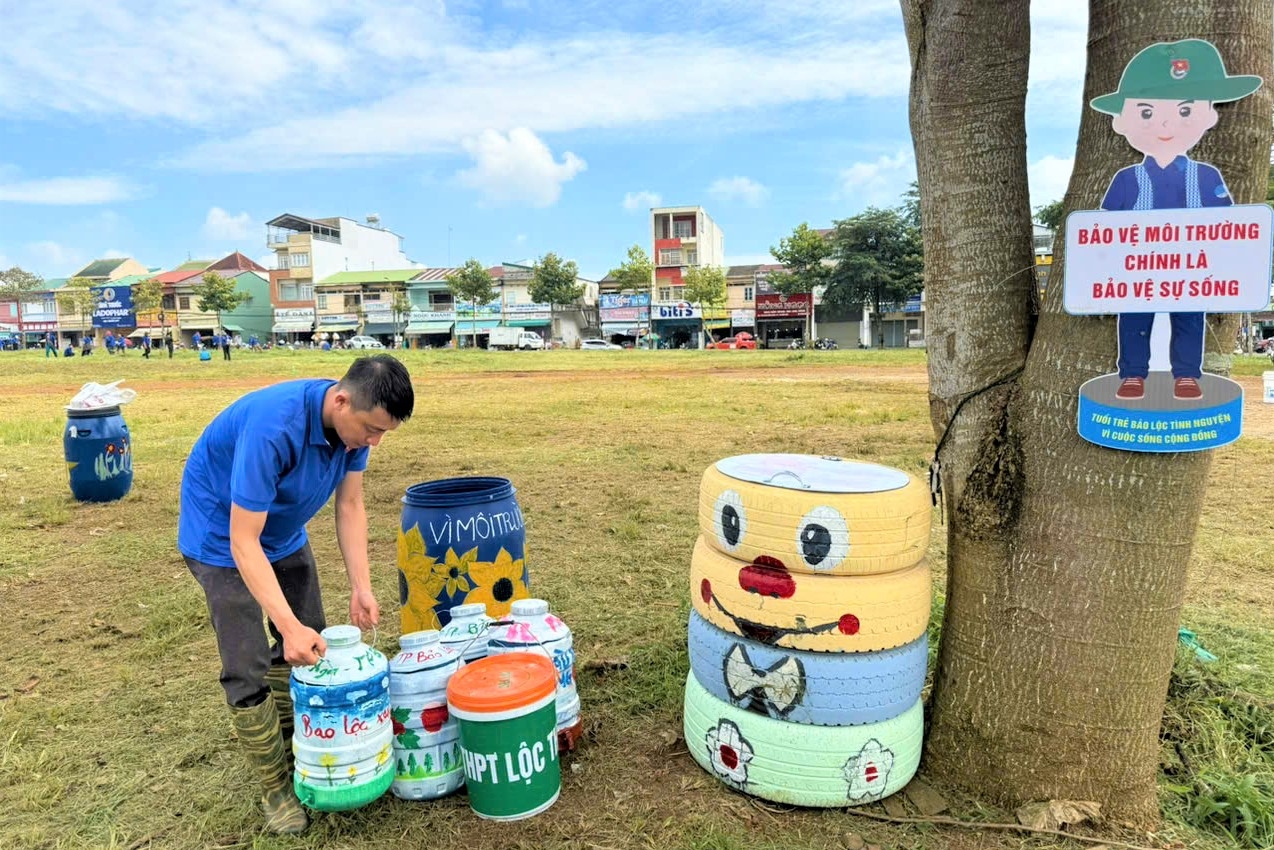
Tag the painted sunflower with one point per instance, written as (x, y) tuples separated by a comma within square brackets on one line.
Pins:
[(453, 573), (499, 583), (423, 584)]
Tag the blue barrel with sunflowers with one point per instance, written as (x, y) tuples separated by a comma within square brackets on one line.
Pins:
[(461, 540)]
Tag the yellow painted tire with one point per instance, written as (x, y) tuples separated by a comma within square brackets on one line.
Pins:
[(813, 612), (827, 533)]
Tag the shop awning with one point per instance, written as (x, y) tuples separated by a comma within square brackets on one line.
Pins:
[(234, 329), (141, 332), (528, 323), (337, 326), (380, 328), (619, 329), (468, 326), (292, 327), (198, 326), (418, 328)]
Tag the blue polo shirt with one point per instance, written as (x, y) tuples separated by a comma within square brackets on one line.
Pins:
[(1168, 184), (266, 452)]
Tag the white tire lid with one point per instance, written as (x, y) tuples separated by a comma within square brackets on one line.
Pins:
[(801, 765), (813, 612), (819, 515)]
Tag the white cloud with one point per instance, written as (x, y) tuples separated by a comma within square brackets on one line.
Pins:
[(520, 239), (66, 191), (517, 168), (53, 259), (111, 253), (642, 200), (742, 189), (877, 183), (221, 226), (1048, 178)]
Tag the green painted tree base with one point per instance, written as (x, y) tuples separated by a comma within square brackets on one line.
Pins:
[(342, 798)]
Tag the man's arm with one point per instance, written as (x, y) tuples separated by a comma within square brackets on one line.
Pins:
[(351, 536), (301, 644)]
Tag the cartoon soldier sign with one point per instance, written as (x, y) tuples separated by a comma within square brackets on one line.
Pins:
[(1168, 239)]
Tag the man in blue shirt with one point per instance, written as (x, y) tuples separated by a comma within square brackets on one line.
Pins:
[(1163, 108), (260, 470)]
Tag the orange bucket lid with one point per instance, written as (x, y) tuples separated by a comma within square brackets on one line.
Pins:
[(502, 682)]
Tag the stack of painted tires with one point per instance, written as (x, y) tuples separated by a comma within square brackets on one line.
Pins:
[(810, 603)]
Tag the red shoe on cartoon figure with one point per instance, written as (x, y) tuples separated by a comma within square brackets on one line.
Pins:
[(1186, 389), (1131, 388)]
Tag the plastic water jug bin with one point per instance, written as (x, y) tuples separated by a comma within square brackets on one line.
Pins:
[(427, 763), (99, 454), (1268, 379), (343, 740), (531, 628), (466, 632)]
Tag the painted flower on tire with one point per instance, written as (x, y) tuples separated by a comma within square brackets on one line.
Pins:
[(498, 583), (728, 752), (868, 772)]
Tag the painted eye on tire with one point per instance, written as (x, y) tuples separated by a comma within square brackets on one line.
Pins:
[(729, 519), (822, 538)]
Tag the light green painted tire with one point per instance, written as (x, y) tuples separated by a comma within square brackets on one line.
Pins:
[(826, 766)]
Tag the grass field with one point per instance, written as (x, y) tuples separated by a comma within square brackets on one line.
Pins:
[(113, 732)]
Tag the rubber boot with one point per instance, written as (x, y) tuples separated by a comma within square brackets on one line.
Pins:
[(258, 730), (279, 678)]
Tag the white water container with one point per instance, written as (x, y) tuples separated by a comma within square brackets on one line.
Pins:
[(427, 761), (466, 632), (531, 628), (1268, 379)]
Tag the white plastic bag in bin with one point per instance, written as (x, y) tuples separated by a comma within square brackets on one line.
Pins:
[(93, 396)]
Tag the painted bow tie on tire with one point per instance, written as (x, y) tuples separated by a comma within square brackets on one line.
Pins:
[(779, 688)]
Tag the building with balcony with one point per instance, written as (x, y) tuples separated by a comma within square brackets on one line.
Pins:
[(363, 302), (682, 237)]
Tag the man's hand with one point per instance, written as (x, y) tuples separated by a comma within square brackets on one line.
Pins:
[(363, 610), (302, 646)]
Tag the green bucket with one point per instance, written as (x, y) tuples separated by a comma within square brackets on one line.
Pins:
[(506, 708)]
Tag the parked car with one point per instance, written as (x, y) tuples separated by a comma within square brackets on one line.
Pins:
[(598, 345), (741, 340), (363, 342)]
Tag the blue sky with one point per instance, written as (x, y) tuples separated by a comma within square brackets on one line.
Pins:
[(495, 130)]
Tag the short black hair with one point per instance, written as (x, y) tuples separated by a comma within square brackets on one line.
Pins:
[(380, 381)]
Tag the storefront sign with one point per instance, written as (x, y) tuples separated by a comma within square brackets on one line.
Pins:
[(625, 314), (775, 306), (465, 311), (676, 310), (613, 301), (743, 318), (293, 315), (417, 316), (114, 307)]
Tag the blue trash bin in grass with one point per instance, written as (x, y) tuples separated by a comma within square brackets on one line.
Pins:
[(99, 454)]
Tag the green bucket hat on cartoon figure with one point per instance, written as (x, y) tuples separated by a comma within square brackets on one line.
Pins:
[(1177, 70)]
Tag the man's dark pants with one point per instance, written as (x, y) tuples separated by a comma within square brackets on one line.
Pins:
[(246, 654)]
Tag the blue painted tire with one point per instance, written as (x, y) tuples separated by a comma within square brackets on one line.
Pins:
[(813, 688), (830, 766)]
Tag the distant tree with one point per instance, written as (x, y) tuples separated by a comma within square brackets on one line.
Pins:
[(1269, 190), (636, 273), (77, 297), (474, 284), (17, 283), (148, 295), (879, 261), (1050, 215), (218, 295), (554, 282), (911, 204), (400, 306), (804, 256), (705, 286)]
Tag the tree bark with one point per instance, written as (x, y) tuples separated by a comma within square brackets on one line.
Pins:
[(1066, 561)]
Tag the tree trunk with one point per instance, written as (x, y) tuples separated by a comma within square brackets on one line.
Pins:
[(1066, 561)]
